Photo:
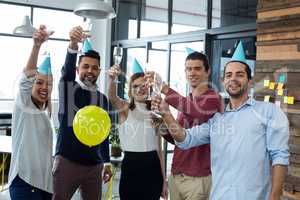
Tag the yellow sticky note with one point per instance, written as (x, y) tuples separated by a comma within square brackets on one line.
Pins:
[(280, 92), (272, 86), (267, 99), (280, 86), (290, 100), (266, 83), (285, 99)]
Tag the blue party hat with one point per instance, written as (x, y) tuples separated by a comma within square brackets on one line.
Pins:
[(189, 50), (136, 67), (45, 66), (239, 54), (87, 46)]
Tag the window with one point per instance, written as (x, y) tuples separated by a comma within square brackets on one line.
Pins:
[(13, 17), (158, 63), (233, 12), (189, 15), (15, 50), (14, 54), (126, 23), (59, 21), (154, 18), (151, 28)]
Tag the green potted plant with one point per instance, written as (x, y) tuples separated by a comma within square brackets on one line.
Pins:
[(114, 140)]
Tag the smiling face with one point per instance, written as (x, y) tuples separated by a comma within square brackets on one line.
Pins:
[(139, 90), (195, 72), (236, 81), (42, 88), (88, 70)]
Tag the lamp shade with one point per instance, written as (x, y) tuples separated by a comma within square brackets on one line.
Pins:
[(26, 28), (95, 9)]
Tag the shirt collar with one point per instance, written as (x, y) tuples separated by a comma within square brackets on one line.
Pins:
[(92, 88), (250, 102)]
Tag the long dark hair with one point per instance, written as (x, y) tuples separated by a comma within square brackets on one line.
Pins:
[(133, 78)]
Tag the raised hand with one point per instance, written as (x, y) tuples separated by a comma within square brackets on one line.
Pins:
[(157, 103), (149, 76), (114, 72), (76, 36), (41, 35)]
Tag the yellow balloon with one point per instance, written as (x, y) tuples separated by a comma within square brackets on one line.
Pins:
[(91, 125)]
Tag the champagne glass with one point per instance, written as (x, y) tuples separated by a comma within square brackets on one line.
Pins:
[(49, 30), (87, 28), (117, 57), (148, 83), (156, 91), (118, 54)]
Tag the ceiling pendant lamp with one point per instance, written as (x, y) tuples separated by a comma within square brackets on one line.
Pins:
[(25, 29), (95, 9)]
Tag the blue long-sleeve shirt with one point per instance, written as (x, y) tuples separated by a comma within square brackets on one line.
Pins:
[(245, 142), (73, 97)]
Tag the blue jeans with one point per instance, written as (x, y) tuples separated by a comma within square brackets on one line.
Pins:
[(20, 190)]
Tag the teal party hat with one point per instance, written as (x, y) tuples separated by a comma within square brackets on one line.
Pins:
[(87, 46), (189, 50), (239, 54), (45, 66), (136, 67)]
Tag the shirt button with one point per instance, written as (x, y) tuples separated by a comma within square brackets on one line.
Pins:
[(32, 190)]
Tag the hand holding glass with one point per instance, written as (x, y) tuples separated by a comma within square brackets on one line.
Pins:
[(156, 91), (118, 54)]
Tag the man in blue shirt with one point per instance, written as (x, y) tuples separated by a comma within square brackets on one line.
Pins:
[(249, 141)]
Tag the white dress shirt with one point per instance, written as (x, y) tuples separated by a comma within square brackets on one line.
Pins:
[(136, 133), (31, 141)]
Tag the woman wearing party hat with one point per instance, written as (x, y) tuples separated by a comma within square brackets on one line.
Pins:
[(142, 171), (30, 174)]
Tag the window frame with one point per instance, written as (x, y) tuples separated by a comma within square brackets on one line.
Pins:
[(11, 35)]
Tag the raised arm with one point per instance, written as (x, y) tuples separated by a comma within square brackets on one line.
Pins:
[(119, 104), (191, 108), (69, 68), (184, 139), (185, 105), (39, 37), (27, 80)]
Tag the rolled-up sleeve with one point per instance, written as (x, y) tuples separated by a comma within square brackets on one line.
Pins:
[(196, 136), (278, 137)]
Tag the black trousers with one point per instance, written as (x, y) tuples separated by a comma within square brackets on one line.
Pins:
[(20, 190), (141, 176)]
